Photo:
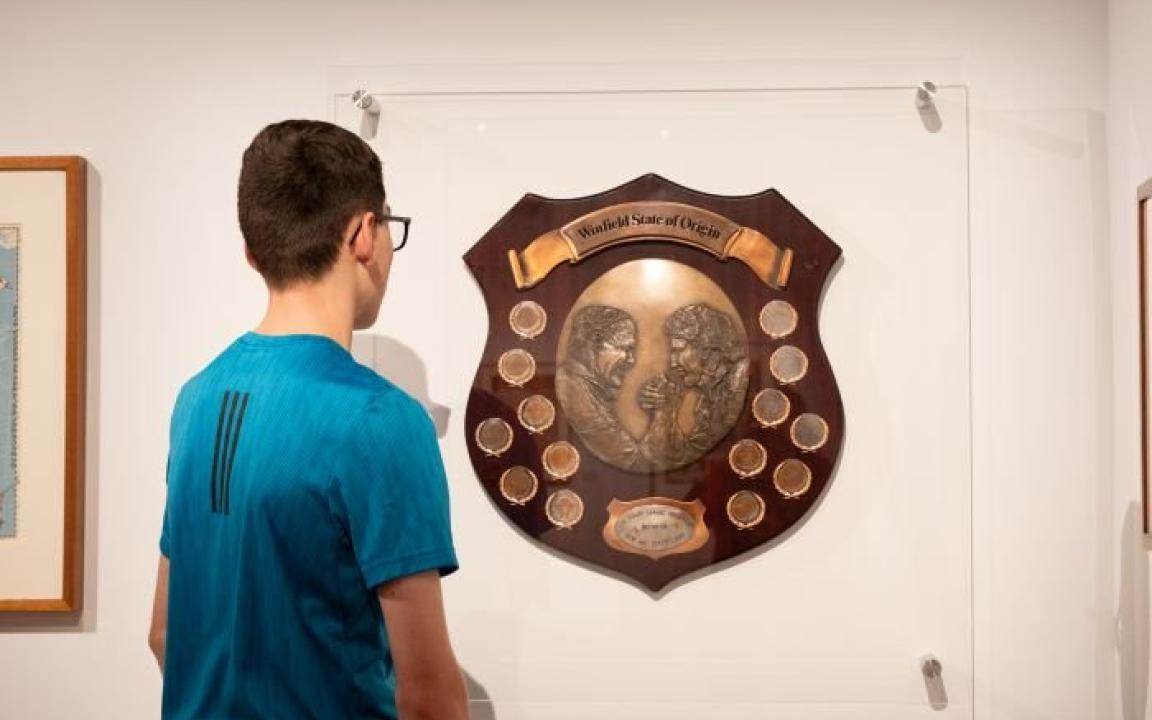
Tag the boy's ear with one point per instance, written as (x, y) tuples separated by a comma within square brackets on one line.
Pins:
[(364, 240), (251, 260)]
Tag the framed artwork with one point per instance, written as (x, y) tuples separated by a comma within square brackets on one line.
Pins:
[(43, 212), (1144, 225)]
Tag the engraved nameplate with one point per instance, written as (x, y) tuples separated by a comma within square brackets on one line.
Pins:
[(656, 526)]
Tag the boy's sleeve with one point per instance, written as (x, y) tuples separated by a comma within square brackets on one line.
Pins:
[(165, 540), (391, 492), (165, 537), (177, 427)]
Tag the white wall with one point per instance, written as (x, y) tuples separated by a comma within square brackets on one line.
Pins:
[(162, 100), (1130, 163)]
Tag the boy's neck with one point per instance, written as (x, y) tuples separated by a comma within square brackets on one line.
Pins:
[(313, 309)]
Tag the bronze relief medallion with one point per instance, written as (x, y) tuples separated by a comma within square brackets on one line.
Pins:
[(652, 365), (653, 396)]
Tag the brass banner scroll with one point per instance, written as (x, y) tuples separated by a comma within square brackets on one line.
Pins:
[(652, 220)]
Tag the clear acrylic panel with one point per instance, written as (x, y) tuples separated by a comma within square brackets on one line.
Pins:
[(832, 620)]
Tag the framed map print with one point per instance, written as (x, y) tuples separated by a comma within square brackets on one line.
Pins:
[(43, 211)]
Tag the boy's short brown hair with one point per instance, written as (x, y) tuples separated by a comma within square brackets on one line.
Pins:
[(300, 183)]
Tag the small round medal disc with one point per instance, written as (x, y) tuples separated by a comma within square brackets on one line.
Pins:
[(528, 319), (747, 458), (792, 478), (564, 508), (778, 319), (536, 413), (518, 485), (789, 364), (745, 509), (561, 459), (516, 367), (770, 407), (809, 432), (494, 436)]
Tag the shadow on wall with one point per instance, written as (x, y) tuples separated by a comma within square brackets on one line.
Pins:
[(1132, 622), (402, 366), (480, 705)]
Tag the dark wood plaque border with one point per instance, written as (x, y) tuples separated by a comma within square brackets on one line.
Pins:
[(75, 343), (709, 479)]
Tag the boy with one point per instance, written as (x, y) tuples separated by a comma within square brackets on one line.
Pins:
[(306, 526)]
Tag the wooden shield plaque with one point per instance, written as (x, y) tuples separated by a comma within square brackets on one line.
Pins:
[(653, 397)]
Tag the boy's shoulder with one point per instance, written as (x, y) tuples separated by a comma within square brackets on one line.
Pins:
[(344, 380), (389, 404)]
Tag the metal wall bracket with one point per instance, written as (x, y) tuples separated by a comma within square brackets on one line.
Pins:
[(933, 672), (926, 106), (926, 95), (369, 115)]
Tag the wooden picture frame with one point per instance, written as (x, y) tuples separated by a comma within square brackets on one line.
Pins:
[(43, 341), (1144, 227)]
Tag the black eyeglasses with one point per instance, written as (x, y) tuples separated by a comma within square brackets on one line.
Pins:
[(393, 221), (403, 223)]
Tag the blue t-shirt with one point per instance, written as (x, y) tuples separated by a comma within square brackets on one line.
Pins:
[(298, 481)]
